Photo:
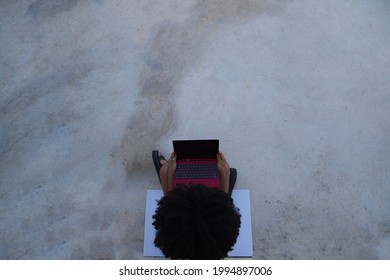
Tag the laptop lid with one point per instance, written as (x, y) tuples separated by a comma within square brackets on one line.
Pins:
[(196, 149)]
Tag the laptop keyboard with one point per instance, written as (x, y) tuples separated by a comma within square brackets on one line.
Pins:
[(196, 171)]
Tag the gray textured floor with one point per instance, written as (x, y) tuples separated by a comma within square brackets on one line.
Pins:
[(297, 92)]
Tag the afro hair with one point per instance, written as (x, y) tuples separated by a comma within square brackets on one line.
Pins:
[(196, 222)]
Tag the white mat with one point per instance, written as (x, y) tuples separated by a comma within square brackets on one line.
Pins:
[(243, 246)]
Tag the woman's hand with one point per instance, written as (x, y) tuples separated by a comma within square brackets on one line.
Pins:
[(171, 170), (224, 171)]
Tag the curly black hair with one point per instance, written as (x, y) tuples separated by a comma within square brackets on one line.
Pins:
[(196, 222)]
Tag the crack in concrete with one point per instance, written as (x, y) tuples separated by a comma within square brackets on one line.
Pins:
[(173, 48), (44, 8)]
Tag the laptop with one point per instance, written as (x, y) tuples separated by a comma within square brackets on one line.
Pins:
[(196, 162)]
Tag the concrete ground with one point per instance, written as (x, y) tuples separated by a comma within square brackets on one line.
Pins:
[(297, 91)]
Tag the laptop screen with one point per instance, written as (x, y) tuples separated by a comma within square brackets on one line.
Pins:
[(196, 149)]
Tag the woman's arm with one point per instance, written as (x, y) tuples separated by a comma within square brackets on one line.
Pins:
[(167, 173), (171, 171), (224, 171)]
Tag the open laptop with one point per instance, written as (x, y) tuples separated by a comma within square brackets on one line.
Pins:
[(196, 162)]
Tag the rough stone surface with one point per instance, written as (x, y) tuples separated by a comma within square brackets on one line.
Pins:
[(296, 91)]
